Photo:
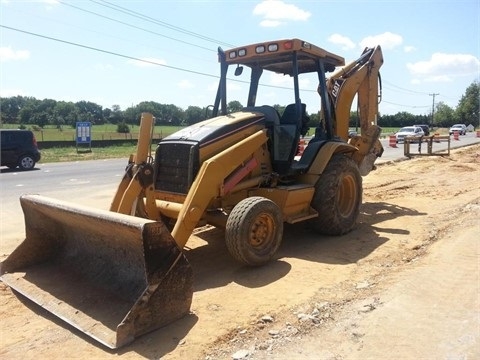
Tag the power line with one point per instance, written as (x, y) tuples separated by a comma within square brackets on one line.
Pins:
[(134, 26), (108, 52), (138, 59), (407, 106), (403, 89), (158, 22)]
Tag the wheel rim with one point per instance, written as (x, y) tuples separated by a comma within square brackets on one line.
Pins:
[(346, 196), (27, 163), (262, 231)]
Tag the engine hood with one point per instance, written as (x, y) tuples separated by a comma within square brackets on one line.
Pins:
[(215, 128)]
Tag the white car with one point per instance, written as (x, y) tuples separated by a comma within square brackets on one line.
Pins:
[(461, 128), (408, 131)]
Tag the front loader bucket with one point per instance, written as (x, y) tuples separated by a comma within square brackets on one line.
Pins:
[(112, 276)]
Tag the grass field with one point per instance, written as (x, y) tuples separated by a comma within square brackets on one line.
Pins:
[(71, 153), (98, 132)]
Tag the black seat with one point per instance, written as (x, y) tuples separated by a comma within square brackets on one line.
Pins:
[(271, 115)]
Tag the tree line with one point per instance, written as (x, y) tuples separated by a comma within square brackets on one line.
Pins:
[(24, 110)]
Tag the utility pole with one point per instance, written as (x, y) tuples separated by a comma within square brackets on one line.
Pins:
[(433, 106)]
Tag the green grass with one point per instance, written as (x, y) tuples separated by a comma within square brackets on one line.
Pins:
[(71, 153), (99, 132)]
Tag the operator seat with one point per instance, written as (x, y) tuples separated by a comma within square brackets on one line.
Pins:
[(285, 139)]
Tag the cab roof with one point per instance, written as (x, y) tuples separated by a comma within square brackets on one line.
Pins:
[(276, 56)]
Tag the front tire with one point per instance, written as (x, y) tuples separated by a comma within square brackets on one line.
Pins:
[(337, 197), (254, 231)]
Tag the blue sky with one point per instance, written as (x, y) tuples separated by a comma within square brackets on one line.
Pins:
[(429, 47)]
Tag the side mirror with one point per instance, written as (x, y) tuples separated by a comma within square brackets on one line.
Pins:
[(239, 70)]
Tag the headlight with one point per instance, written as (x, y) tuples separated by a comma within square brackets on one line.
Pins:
[(260, 49)]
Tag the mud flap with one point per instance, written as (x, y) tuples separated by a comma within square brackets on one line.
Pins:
[(112, 276)]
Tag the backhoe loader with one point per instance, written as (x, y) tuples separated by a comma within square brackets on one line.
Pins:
[(118, 274)]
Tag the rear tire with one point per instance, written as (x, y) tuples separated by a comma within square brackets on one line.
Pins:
[(254, 231), (337, 197), (26, 162)]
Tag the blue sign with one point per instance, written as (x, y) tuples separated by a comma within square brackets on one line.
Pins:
[(84, 132)]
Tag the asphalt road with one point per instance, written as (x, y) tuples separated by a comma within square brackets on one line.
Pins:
[(397, 152), (83, 183)]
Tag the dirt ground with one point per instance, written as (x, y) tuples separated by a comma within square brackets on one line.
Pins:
[(404, 284)]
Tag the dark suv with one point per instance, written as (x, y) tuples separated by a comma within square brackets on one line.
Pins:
[(19, 149), (425, 128)]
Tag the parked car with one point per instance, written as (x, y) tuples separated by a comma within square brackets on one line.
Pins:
[(461, 128), (19, 149), (408, 131), (425, 128)]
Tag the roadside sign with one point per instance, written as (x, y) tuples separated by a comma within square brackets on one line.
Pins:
[(84, 131)]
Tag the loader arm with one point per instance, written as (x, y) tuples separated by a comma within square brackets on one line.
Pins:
[(209, 182), (133, 184)]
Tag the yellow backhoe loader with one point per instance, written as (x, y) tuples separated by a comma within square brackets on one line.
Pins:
[(118, 274)]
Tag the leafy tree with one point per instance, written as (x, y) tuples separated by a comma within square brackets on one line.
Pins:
[(146, 106), (89, 111), (10, 109), (401, 119), (132, 115), (106, 113), (234, 106), (28, 110), (171, 114), (468, 109), (38, 112), (116, 115), (65, 113), (194, 114), (444, 115), (123, 128)]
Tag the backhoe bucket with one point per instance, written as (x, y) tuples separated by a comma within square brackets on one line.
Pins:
[(112, 276)]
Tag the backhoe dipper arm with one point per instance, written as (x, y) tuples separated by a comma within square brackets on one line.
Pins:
[(362, 78), (358, 77)]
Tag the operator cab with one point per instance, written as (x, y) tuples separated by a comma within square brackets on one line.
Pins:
[(288, 57)]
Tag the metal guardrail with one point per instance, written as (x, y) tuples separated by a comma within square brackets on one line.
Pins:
[(428, 141)]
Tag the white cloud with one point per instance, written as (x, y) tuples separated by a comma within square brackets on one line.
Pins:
[(343, 41), (277, 12), (144, 62), (445, 67), (8, 54), (409, 49), (386, 40)]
